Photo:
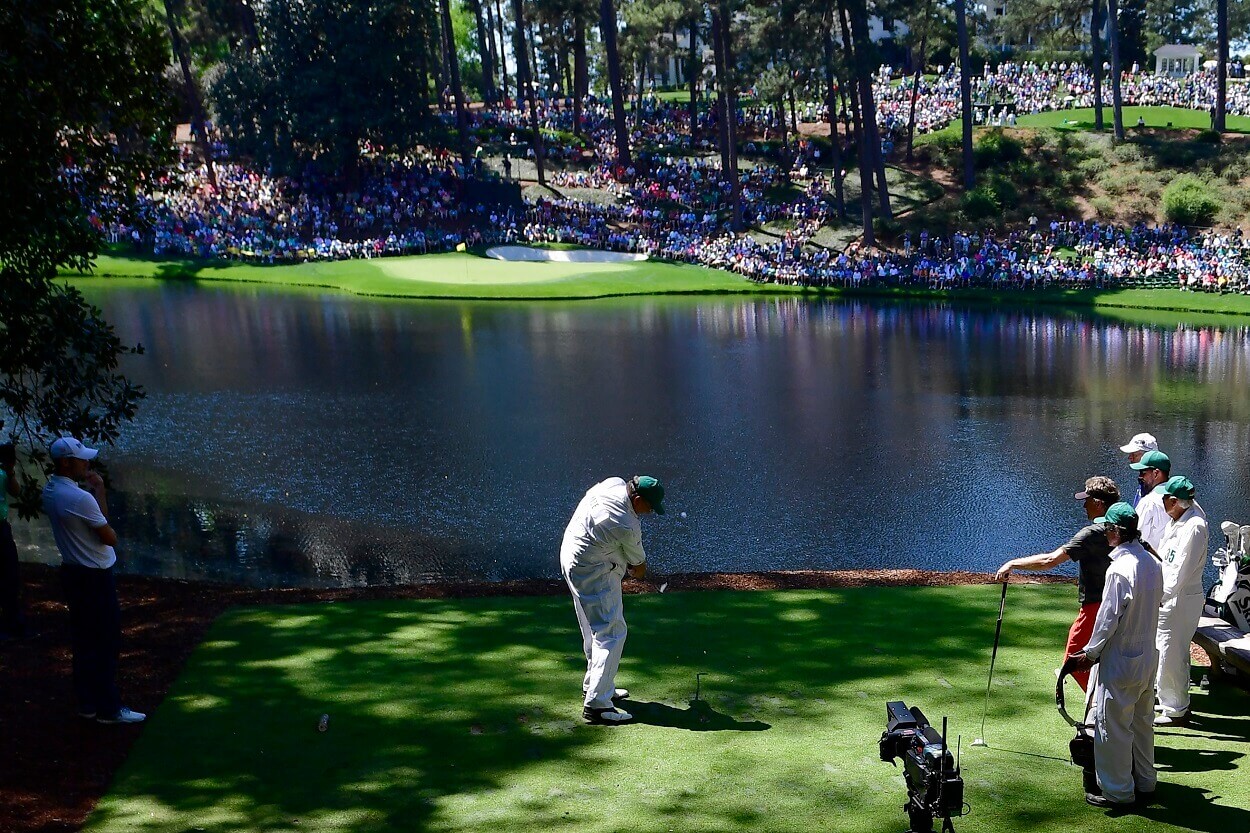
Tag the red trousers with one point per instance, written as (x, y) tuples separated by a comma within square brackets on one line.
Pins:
[(1078, 637)]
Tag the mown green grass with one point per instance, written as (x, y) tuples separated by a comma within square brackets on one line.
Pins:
[(453, 275), (463, 276), (1083, 119), (463, 716)]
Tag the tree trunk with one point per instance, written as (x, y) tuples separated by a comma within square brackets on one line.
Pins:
[(835, 140), (694, 71), (1117, 107), (503, 53), (915, 95), (865, 161), (525, 82), (439, 44), (1095, 36), (794, 113), (642, 79), (489, 14), (868, 103), (1096, 49), (581, 73), (563, 64), (483, 48), (722, 102), (607, 28), (1221, 71), (785, 133), (453, 66), (919, 61), (731, 121), (199, 123), (423, 62), (535, 73), (965, 91)]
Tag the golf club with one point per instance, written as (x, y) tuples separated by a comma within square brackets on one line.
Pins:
[(998, 629)]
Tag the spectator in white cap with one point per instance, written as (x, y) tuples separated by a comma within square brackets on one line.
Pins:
[(1135, 448), (80, 526)]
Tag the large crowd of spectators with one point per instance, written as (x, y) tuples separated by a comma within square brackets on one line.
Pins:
[(677, 205)]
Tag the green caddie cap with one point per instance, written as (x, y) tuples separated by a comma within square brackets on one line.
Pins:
[(1179, 486), (1119, 514), (1153, 460), (652, 492)]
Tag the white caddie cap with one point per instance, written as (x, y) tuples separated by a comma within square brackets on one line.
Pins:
[(1141, 442), (70, 447)]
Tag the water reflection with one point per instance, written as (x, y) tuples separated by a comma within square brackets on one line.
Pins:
[(309, 438)]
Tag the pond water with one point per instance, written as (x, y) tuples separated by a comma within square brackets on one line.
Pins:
[(300, 438)]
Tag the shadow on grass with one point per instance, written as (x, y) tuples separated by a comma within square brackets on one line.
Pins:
[(1194, 808), (699, 716), (464, 714)]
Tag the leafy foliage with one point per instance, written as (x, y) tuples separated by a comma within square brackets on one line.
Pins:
[(327, 75), (1190, 201), (85, 113)]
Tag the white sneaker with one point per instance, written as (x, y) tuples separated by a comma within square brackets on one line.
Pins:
[(1172, 719), (124, 716), (617, 694), (606, 717)]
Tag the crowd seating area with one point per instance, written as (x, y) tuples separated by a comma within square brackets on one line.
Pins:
[(677, 205)]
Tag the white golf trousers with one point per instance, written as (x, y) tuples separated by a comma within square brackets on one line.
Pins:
[(601, 617), (1124, 741), (1178, 619)]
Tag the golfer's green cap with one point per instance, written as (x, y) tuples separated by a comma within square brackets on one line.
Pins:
[(1119, 514), (1179, 486), (652, 492), (1153, 460)]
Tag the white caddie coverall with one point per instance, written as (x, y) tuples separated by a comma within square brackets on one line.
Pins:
[(602, 539), (1123, 700), (1152, 518), (1184, 554)]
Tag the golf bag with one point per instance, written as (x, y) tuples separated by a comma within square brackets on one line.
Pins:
[(1081, 747), (1229, 598)]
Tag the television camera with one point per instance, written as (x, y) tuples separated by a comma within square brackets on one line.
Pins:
[(935, 789)]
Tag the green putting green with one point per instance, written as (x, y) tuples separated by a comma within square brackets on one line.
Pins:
[(453, 275), (463, 716)]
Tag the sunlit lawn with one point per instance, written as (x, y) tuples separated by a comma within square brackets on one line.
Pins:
[(463, 716)]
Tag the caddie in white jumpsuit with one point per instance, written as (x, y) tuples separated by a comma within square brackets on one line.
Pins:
[(1184, 554), (1124, 645), (601, 543)]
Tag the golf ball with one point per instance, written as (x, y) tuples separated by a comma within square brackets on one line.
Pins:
[(683, 514)]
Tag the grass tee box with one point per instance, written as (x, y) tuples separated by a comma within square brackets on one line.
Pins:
[(463, 716)]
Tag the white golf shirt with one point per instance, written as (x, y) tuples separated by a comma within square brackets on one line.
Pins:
[(1152, 519), (75, 515), (604, 535)]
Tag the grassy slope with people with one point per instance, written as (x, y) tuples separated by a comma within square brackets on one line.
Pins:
[(462, 715), (1054, 173)]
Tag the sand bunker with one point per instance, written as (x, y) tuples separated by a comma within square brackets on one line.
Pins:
[(531, 255)]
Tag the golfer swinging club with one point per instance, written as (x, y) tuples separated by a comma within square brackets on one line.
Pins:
[(602, 542)]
